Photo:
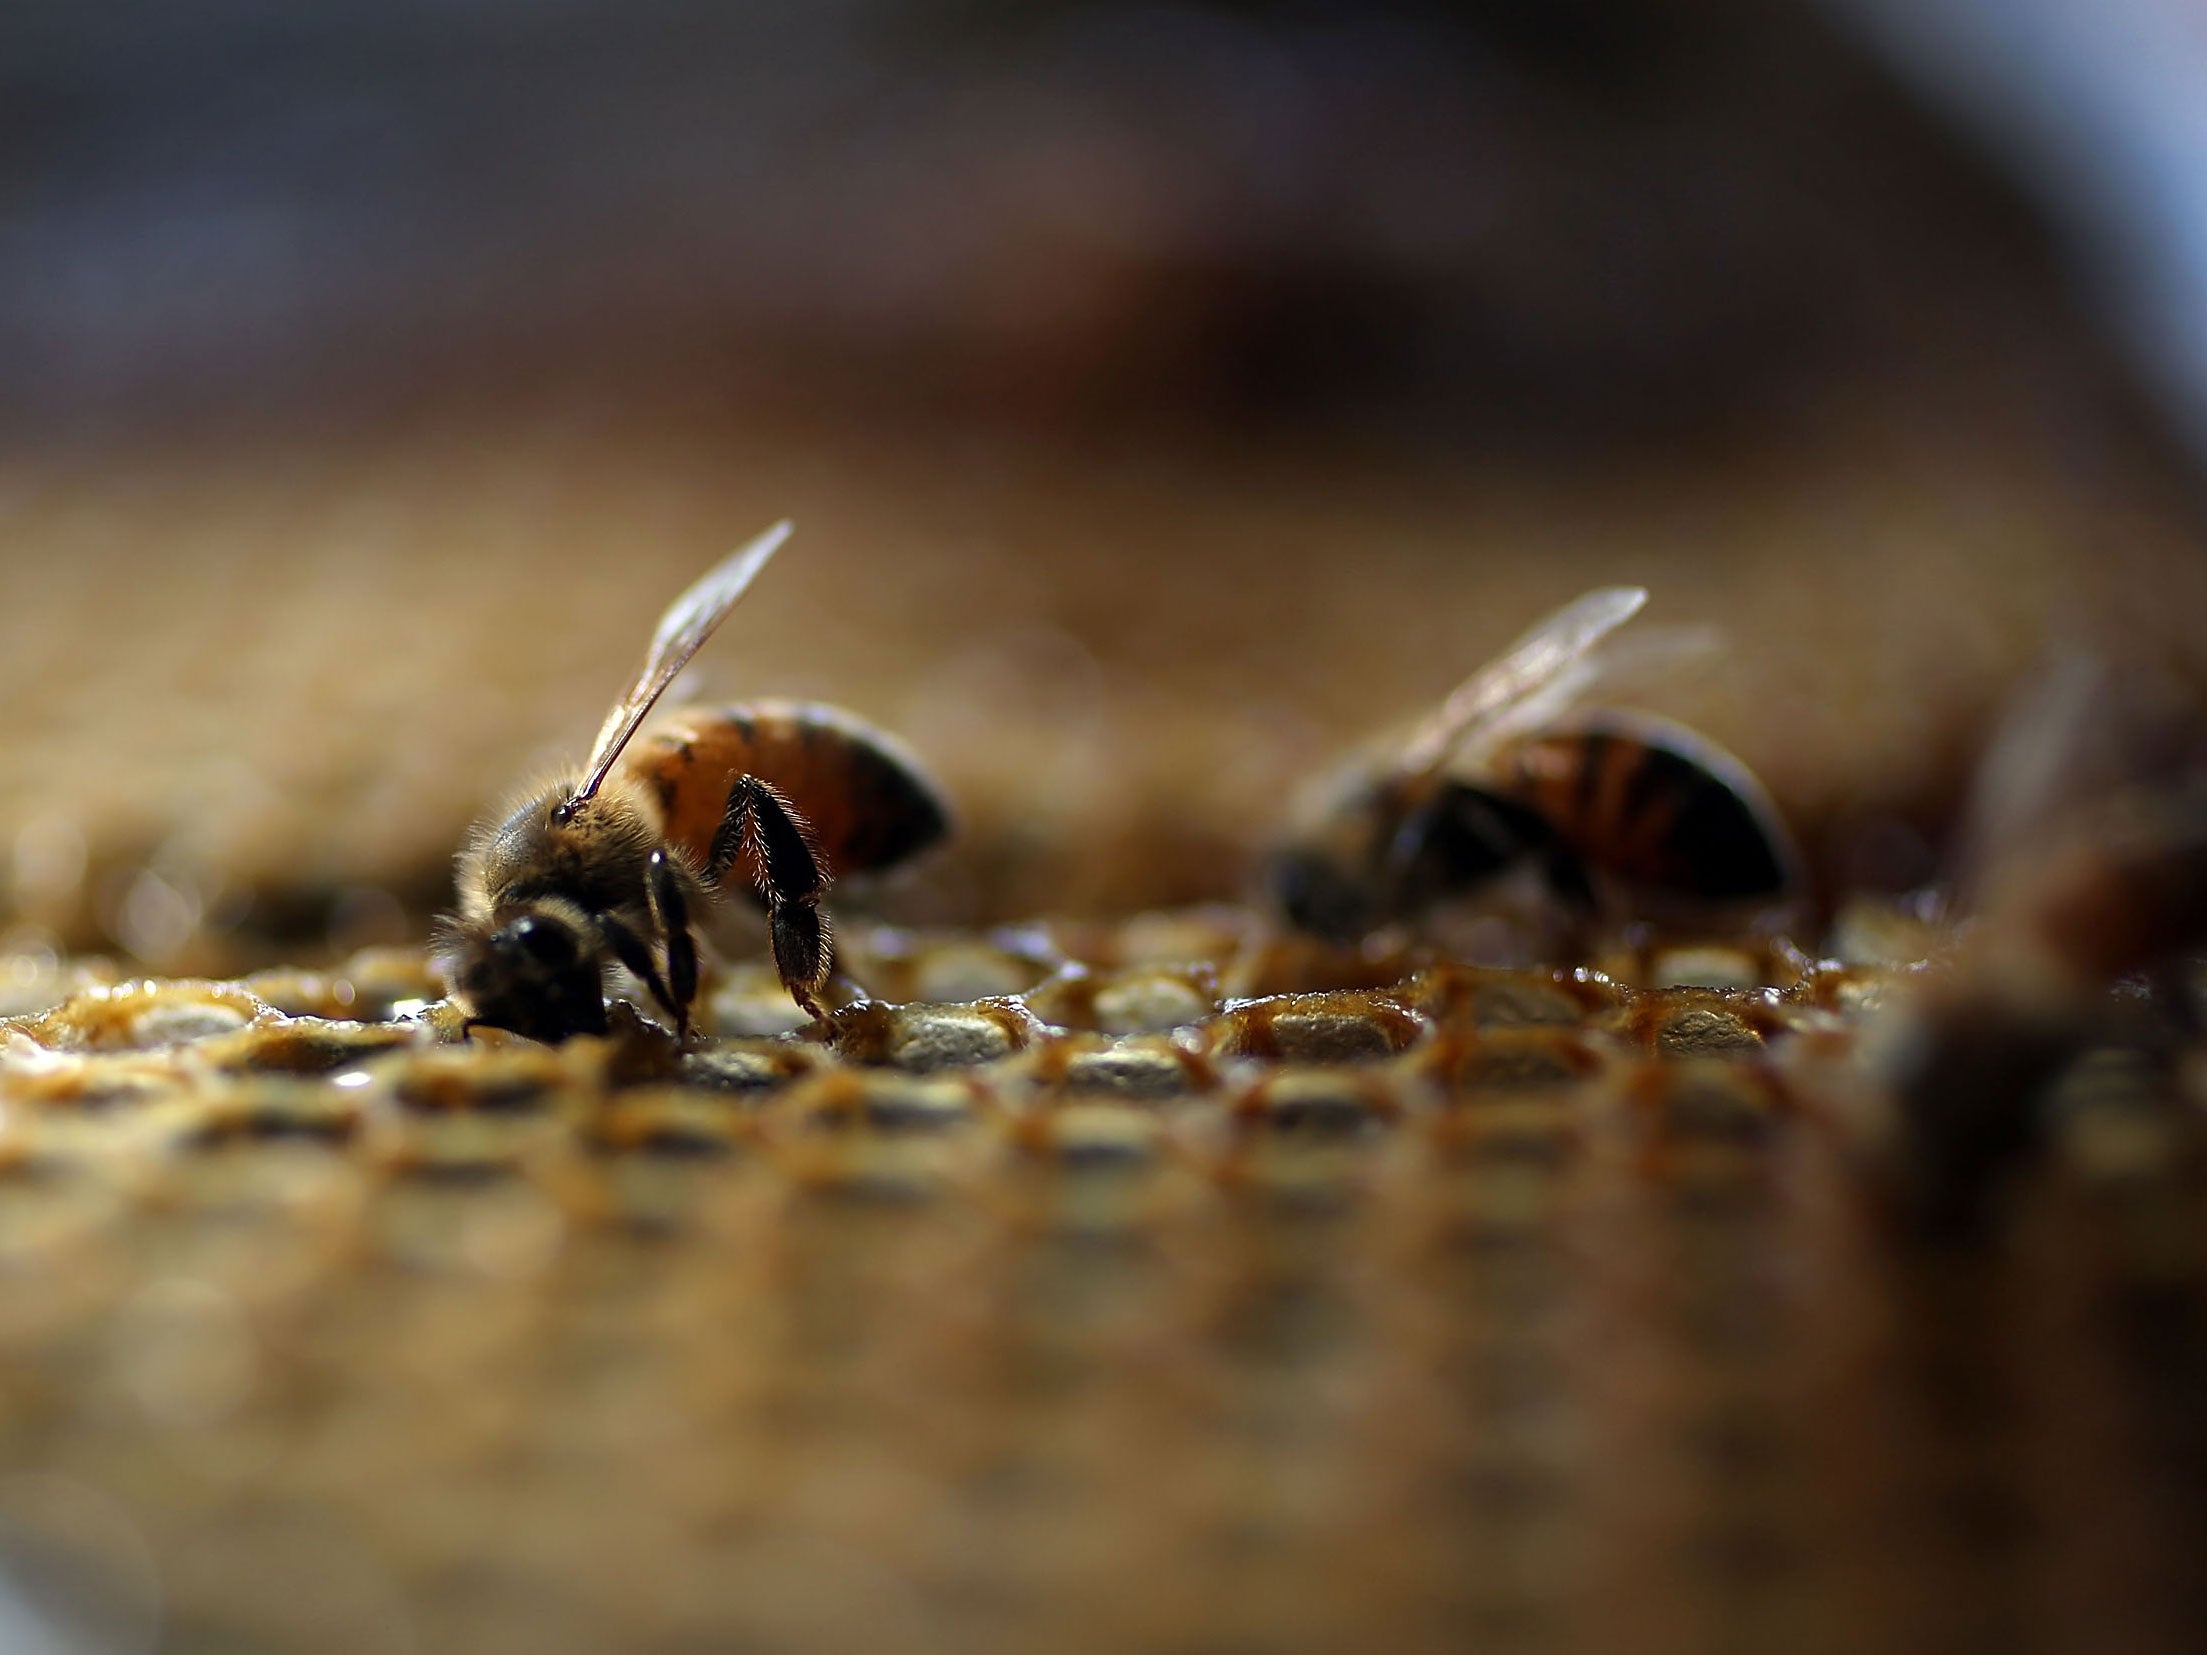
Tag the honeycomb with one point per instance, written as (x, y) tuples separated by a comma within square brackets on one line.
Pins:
[(1119, 1276), (1125, 1278), (1158, 1285)]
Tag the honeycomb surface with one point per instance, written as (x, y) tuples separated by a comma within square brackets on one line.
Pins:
[(1122, 1283), (1158, 1285)]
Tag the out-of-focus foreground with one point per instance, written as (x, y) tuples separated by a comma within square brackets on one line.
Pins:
[(1537, 1309)]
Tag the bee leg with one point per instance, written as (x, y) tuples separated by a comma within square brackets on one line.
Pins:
[(1578, 908), (672, 905), (764, 827), (801, 951), (631, 951), (1569, 883)]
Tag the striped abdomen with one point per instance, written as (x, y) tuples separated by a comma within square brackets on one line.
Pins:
[(1653, 805), (863, 794)]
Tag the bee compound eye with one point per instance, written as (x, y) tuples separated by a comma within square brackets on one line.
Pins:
[(1317, 896), (540, 939)]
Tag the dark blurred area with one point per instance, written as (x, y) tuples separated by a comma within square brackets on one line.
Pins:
[(1558, 222), (1166, 395)]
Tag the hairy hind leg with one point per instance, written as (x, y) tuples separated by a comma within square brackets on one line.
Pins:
[(760, 824)]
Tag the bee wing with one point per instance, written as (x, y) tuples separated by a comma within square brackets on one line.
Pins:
[(1615, 667), (2081, 742), (688, 622), (1620, 666), (1532, 680)]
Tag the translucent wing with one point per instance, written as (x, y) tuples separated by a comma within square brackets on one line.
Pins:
[(1530, 681), (1616, 667), (688, 622)]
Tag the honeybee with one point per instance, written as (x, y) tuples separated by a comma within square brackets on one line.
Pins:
[(611, 864), (2084, 866), (1504, 775)]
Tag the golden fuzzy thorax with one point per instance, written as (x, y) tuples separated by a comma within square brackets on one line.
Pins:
[(520, 853)]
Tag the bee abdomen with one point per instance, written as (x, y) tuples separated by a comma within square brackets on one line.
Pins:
[(1654, 805), (869, 804)]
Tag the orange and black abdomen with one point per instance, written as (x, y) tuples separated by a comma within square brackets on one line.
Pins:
[(868, 802), (1653, 805)]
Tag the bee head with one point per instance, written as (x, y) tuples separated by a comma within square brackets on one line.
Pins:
[(1324, 894), (1391, 854), (1460, 838), (538, 974), (1332, 877)]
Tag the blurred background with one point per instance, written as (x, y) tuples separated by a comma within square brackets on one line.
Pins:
[(1166, 395)]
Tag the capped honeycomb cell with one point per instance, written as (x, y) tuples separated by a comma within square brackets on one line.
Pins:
[(1543, 1131), (1089, 1136), (1509, 1058), (929, 1037), (271, 1108), (1322, 1103), (307, 1045), (1151, 1068), (1131, 1000), (901, 967), (1705, 965), (515, 1079), (878, 1101), (1715, 1102), (749, 1066), (146, 1016), (1345, 1026), (1695, 1023), (1489, 997)]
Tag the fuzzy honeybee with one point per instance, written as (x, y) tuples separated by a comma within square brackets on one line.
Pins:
[(1504, 774), (2083, 865), (610, 865)]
